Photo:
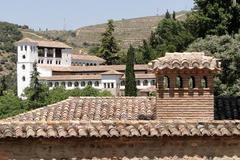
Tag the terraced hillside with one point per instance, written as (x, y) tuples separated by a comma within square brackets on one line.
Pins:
[(127, 31)]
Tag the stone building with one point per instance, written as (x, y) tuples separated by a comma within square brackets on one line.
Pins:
[(128, 127)]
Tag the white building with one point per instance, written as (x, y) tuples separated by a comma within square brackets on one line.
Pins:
[(58, 66)]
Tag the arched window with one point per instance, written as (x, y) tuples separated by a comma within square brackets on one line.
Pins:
[(63, 84), (56, 84), (204, 83), (23, 67), (23, 78), (166, 82), (145, 82), (69, 84), (87, 64), (153, 82), (89, 83), (83, 83), (50, 84), (138, 82), (76, 84), (191, 82), (122, 83), (179, 82), (96, 83)]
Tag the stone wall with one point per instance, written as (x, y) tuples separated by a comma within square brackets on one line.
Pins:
[(78, 148)]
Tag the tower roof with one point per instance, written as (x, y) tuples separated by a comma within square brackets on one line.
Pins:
[(183, 60), (42, 43)]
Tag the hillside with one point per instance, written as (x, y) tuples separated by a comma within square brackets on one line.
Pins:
[(126, 31)]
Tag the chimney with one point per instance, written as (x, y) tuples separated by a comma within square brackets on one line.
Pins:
[(185, 85)]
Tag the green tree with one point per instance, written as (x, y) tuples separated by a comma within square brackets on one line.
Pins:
[(147, 53), (174, 15), (37, 92), (214, 17), (3, 85), (227, 49), (130, 86), (170, 36), (109, 47), (167, 15)]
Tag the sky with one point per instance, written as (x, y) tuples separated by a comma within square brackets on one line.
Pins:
[(72, 14)]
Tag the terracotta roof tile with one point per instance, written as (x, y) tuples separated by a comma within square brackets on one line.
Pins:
[(71, 77), (87, 57), (117, 128), (92, 108), (112, 72), (43, 43)]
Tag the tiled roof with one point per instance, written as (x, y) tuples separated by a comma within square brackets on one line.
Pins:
[(183, 60), (112, 72), (100, 68), (93, 108), (87, 57), (43, 43), (109, 129), (71, 77), (143, 76)]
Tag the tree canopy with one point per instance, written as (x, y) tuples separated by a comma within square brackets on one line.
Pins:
[(227, 49), (109, 47), (214, 17)]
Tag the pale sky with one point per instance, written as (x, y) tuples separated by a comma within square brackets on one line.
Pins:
[(77, 13)]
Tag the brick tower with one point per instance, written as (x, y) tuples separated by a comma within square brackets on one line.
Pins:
[(185, 85)]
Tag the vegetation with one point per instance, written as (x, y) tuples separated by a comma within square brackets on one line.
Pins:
[(130, 81), (214, 18), (227, 49), (9, 35), (109, 48)]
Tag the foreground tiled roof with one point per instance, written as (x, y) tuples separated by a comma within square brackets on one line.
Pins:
[(93, 108), (100, 68), (112, 72), (109, 128), (87, 57), (71, 77), (43, 43), (143, 76)]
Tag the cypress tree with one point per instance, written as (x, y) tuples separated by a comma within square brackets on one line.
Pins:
[(174, 15), (167, 15), (130, 85), (109, 47)]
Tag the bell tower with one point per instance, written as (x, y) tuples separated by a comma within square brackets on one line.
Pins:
[(185, 85)]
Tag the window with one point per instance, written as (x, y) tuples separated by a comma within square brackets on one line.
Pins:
[(105, 85), (21, 48), (69, 84), (50, 52), (145, 82), (191, 82), (23, 56), (25, 48), (138, 82), (83, 83), (112, 85), (40, 52), (108, 85), (23, 78), (56, 84), (23, 67), (179, 82), (39, 61), (166, 82), (76, 84), (122, 83), (204, 82), (50, 84), (89, 83), (153, 82), (96, 83), (58, 53)]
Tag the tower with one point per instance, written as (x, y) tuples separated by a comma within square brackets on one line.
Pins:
[(26, 56), (185, 85)]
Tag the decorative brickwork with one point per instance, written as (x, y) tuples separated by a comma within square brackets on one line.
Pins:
[(185, 86)]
